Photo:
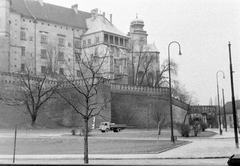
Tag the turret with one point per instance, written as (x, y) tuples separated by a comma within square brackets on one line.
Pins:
[(137, 33)]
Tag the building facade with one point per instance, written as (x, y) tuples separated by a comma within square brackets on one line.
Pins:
[(35, 36)]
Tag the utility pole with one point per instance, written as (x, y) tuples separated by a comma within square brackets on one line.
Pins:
[(224, 110), (233, 99)]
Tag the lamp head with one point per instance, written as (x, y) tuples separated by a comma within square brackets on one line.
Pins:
[(180, 53)]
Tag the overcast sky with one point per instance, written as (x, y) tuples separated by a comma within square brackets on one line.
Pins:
[(202, 27)]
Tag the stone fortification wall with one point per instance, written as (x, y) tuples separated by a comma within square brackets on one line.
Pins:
[(132, 105), (135, 106), (57, 112)]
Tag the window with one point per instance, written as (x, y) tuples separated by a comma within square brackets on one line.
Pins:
[(22, 67), (84, 42), (78, 56), (43, 38), (61, 71), (157, 59), (78, 73), (43, 69), (69, 44), (97, 39), (23, 51), (106, 38), (77, 43), (116, 40), (61, 41), (121, 42), (91, 57), (23, 35), (60, 56), (43, 54), (111, 39), (126, 42), (89, 41)]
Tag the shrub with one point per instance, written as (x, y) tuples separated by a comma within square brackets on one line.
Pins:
[(81, 130), (183, 129), (73, 131), (196, 128), (203, 126)]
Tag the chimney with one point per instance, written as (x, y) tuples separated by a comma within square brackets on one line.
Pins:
[(111, 18), (104, 17), (41, 2), (94, 13), (75, 8)]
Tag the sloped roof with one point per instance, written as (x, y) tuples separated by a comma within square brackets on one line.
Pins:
[(99, 24), (228, 106), (150, 48), (49, 12)]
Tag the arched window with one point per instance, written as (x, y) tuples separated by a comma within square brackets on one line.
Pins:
[(150, 79), (139, 77)]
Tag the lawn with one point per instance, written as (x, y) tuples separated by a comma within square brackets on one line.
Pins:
[(124, 142)]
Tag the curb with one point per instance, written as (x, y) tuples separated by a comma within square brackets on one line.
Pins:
[(174, 147), (95, 158)]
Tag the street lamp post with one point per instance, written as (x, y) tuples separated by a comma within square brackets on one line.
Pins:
[(219, 118), (224, 110), (233, 99), (170, 87)]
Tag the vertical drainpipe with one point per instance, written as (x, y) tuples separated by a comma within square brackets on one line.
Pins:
[(9, 49), (73, 55), (35, 46)]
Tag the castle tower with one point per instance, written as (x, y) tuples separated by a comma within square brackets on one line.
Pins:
[(4, 35), (137, 34)]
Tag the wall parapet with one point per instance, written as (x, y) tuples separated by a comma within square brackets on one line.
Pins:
[(131, 88)]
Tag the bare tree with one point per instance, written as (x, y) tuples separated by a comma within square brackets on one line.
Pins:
[(84, 84), (128, 115), (180, 92), (141, 63), (162, 75), (35, 91), (160, 114)]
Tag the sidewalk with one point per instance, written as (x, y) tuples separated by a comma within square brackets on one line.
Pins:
[(219, 147)]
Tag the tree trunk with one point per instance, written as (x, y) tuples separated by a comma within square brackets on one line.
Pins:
[(159, 129), (34, 118), (86, 142)]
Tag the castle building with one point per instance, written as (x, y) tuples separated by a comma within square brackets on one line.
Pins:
[(35, 35), (144, 57)]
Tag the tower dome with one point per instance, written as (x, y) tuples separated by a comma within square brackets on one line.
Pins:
[(137, 22)]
